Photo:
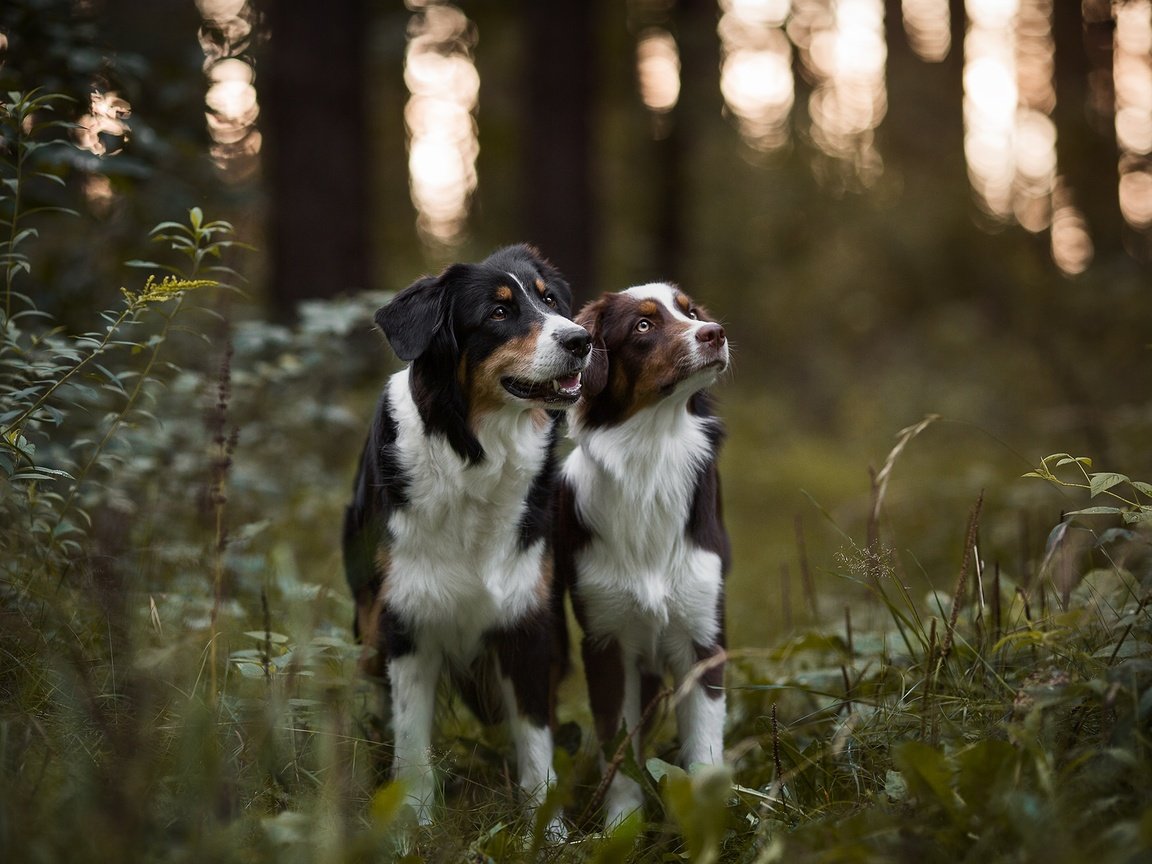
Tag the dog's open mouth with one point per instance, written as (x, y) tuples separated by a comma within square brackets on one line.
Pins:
[(559, 391)]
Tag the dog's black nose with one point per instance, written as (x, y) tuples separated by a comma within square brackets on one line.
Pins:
[(577, 343), (710, 333)]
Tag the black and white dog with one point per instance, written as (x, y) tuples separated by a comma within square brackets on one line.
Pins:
[(447, 541), (640, 539)]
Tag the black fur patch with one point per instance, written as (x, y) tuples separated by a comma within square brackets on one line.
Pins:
[(537, 520), (380, 487), (705, 525), (524, 651)]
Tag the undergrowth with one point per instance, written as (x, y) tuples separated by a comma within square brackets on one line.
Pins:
[(179, 683)]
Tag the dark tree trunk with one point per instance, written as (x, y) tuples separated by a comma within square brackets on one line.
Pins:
[(668, 220), (694, 25), (924, 122), (313, 99), (557, 213), (1086, 139)]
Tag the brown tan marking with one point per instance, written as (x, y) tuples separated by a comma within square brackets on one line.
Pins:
[(540, 286), (504, 294), (544, 584), (481, 382), (369, 606)]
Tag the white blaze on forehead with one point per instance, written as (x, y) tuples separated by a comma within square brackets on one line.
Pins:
[(549, 357), (662, 293), (527, 294)]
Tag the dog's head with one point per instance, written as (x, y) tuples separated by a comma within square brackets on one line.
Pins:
[(487, 336), (650, 343)]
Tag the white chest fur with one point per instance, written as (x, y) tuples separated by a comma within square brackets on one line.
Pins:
[(457, 566), (641, 578)]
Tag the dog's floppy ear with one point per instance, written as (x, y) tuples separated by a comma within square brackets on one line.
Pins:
[(413, 317), (594, 378)]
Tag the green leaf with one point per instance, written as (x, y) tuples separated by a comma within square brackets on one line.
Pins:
[(927, 773), (985, 768), (41, 474), (262, 636), (1097, 511), (618, 846), (699, 804), (387, 803), (1104, 481), (659, 769), (249, 669), (55, 178)]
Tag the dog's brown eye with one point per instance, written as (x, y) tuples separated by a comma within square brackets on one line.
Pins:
[(693, 315), (550, 300), (643, 325), (499, 313)]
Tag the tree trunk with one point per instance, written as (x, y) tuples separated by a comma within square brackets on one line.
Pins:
[(1086, 139), (558, 213), (312, 92), (694, 25)]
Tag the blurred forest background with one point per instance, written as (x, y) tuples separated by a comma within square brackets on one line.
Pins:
[(923, 215), (897, 209)]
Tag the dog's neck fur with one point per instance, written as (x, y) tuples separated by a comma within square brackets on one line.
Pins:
[(511, 442), (657, 452), (445, 412), (636, 482), (473, 558)]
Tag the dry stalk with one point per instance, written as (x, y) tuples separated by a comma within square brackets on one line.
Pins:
[(962, 580), (805, 570), (618, 759)]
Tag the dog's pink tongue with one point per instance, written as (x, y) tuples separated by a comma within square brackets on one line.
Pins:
[(568, 382)]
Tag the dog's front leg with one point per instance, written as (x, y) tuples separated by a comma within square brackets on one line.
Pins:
[(614, 691), (533, 741), (700, 709), (414, 677), (525, 684)]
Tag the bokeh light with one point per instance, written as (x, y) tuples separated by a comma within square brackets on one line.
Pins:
[(1072, 248), (1132, 80), (658, 69), (929, 29), (444, 89), (843, 47), (1009, 134), (991, 99), (756, 69), (104, 123), (1136, 197), (231, 101)]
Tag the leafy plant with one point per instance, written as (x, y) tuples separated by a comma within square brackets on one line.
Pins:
[(1133, 497), (26, 120)]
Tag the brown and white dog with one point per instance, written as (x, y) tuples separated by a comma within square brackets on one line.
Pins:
[(447, 540), (640, 541)]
